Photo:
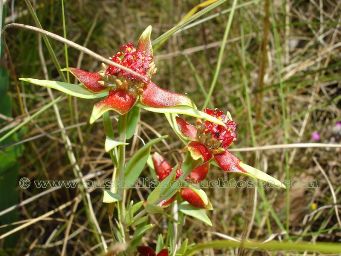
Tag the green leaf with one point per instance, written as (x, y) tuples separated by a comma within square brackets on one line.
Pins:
[(110, 197), (197, 213), (111, 144), (139, 233), (136, 207), (184, 110), (159, 244), (171, 118), (151, 208), (257, 174), (132, 121), (140, 220), (156, 195), (76, 90), (137, 163), (183, 248)]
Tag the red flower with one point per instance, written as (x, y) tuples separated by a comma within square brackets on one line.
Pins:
[(126, 89), (192, 195), (148, 251), (210, 141)]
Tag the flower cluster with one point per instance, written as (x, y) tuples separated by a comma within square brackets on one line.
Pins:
[(206, 141), (210, 141), (137, 60), (127, 89)]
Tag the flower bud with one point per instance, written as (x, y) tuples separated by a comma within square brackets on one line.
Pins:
[(196, 197)]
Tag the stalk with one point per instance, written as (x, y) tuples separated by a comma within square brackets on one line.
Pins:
[(118, 159)]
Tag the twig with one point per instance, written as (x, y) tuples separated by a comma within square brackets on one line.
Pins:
[(68, 228), (76, 46), (72, 158), (35, 197), (263, 60), (331, 190), (6, 118), (35, 220), (287, 146)]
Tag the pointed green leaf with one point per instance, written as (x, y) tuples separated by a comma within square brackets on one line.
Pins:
[(132, 121), (140, 220), (144, 42), (151, 208), (159, 244), (183, 248), (111, 144), (110, 197), (156, 195), (184, 110), (76, 90), (136, 207), (171, 118), (197, 213), (257, 174), (139, 232), (137, 163)]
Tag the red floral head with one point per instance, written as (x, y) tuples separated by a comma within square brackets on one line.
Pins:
[(216, 136), (208, 140), (138, 60), (148, 251), (127, 89)]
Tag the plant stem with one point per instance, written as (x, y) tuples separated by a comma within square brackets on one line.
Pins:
[(76, 46), (269, 246), (66, 53), (121, 151), (118, 159), (221, 54), (120, 172)]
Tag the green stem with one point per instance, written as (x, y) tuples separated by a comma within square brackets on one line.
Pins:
[(109, 132), (66, 53), (121, 151), (122, 128), (118, 160), (269, 246), (221, 54)]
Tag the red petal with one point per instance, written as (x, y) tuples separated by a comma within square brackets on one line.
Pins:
[(198, 149), (166, 203), (117, 100), (154, 96), (228, 162), (163, 252), (186, 128), (145, 251), (90, 80), (162, 167), (192, 197), (199, 173)]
